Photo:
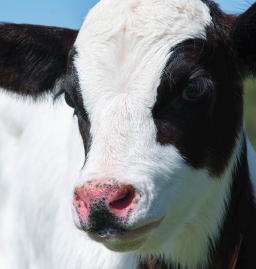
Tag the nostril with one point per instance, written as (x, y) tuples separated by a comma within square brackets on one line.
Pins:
[(106, 198), (124, 199)]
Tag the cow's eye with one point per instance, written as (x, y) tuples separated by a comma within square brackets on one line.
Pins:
[(69, 101), (193, 92)]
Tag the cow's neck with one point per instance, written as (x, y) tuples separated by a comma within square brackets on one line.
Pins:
[(236, 246), (238, 237)]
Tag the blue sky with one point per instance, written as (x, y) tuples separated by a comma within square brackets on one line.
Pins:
[(70, 13)]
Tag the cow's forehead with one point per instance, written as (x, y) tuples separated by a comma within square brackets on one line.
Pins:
[(123, 45), (122, 50)]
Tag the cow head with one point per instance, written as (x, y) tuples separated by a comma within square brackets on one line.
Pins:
[(156, 87)]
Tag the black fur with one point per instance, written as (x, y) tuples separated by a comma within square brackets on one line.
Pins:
[(243, 36), (70, 85), (204, 132), (240, 219), (33, 57)]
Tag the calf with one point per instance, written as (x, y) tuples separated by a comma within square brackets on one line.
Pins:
[(169, 175)]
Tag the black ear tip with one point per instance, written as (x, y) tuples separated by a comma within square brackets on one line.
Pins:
[(243, 36)]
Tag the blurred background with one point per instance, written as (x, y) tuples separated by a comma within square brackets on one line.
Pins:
[(71, 13), (250, 110)]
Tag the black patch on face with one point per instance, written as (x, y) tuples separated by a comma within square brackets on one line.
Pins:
[(70, 85), (226, 57), (33, 57), (205, 131)]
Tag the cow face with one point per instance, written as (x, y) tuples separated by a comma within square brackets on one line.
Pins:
[(156, 87), (152, 110)]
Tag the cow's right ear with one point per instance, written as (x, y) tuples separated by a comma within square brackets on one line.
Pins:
[(33, 57), (243, 36)]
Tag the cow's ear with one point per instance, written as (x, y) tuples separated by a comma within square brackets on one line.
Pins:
[(243, 36), (33, 57)]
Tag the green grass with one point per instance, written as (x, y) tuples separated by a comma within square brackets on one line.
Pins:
[(250, 110)]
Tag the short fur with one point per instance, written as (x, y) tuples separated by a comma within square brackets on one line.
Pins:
[(126, 73)]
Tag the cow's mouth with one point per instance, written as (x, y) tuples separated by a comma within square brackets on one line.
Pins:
[(109, 232), (123, 239)]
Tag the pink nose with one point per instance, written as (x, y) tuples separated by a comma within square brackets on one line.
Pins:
[(120, 200)]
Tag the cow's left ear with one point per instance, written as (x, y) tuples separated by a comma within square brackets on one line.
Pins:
[(33, 58), (243, 37)]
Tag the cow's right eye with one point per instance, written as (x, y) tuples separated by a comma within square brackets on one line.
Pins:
[(69, 100), (193, 92)]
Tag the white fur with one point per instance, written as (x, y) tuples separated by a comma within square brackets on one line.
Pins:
[(122, 49), (37, 226)]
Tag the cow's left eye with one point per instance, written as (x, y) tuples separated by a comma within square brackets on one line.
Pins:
[(193, 92), (69, 101)]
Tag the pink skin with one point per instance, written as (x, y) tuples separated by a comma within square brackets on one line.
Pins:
[(121, 200)]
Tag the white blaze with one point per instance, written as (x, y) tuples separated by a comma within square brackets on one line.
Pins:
[(122, 49)]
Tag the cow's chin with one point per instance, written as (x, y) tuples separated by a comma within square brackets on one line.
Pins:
[(120, 244), (124, 240)]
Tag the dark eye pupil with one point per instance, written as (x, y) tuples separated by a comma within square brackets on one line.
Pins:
[(193, 92), (69, 100)]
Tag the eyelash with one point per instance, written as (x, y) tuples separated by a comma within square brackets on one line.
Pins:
[(204, 84)]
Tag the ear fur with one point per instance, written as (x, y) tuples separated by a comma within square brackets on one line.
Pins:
[(243, 36), (33, 57)]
